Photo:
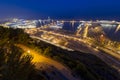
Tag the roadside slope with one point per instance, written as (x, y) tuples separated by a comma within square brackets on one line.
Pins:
[(39, 58)]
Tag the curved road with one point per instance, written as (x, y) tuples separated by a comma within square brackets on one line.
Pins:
[(39, 58)]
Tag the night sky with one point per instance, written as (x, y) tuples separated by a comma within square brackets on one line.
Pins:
[(60, 9)]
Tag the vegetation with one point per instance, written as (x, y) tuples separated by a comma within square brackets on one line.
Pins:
[(83, 65), (14, 66), (13, 35)]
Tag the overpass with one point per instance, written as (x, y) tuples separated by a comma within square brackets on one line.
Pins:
[(63, 47)]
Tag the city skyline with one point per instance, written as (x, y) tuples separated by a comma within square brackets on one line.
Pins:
[(59, 40)]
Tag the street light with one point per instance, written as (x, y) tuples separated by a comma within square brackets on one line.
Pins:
[(28, 51)]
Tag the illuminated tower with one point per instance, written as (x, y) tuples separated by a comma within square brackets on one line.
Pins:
[(63, 21), (118, 28), (48, 20), (72, 22), (78, 31), (85, 33)]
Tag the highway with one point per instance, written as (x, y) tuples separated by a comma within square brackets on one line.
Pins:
[(106, 57), (57, 45), (104, 54)]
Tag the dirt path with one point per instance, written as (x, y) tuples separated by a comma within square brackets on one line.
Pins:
[(39, 58)]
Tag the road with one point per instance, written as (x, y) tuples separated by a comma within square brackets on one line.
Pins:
[(107, 56), (37, 58), (57, 45), (104, 56)]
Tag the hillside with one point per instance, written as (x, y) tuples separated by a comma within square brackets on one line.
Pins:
[(13, 64)]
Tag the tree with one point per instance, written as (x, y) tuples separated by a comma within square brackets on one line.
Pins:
[(47, 51), (14, 66)]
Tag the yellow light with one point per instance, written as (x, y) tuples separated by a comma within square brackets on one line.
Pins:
[(28, 51)]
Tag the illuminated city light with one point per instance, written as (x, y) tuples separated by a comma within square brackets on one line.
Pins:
[(28, 51)]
